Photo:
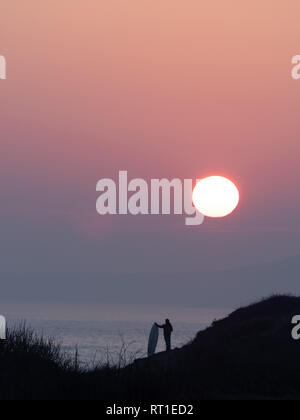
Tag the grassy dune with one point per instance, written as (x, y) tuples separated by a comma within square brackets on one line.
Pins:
[(248, 355)]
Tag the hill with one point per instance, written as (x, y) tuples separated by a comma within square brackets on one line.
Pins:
[(248, 355)]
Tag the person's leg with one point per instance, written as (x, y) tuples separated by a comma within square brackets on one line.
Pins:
[(168, 342)]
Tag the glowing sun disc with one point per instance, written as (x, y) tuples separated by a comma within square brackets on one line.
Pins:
[(216, 196)]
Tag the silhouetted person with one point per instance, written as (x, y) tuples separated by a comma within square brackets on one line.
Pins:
[(168, 329)]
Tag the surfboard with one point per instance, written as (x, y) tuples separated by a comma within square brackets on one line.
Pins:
[(153, 340)]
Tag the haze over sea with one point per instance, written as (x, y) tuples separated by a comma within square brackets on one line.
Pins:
[(99, 332)]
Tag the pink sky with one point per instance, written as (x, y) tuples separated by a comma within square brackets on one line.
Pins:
[(166, 88)]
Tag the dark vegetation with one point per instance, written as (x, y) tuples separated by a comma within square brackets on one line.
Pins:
[(248, 355)]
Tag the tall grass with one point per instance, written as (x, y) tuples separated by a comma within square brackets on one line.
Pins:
[(23, 342), (34, 367)]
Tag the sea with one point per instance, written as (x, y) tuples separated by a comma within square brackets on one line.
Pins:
[(112, 334)]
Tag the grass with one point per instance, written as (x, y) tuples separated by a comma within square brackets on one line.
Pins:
[(33, 367), (248, 355)]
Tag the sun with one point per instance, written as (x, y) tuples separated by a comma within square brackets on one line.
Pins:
[(216, 196)]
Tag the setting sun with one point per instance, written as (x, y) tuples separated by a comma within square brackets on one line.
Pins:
[(216, 196)]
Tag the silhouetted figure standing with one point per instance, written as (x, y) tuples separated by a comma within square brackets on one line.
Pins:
[(168, 329)]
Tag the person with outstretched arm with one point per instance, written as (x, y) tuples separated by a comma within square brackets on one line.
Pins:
[(168, 329)]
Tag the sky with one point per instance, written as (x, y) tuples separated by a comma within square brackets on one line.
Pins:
[(163, 88)]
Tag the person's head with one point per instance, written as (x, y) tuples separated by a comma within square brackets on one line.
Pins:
[(167, 321)]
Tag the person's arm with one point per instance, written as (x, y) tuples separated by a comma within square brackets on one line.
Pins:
[(159, 326)]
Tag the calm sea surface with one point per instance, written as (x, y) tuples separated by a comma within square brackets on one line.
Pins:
[(103, 333)]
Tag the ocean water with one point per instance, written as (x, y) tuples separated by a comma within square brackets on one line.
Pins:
[(108, 333), (101, 342)]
